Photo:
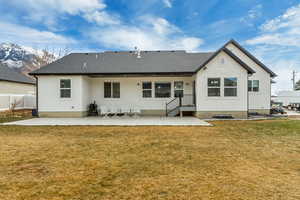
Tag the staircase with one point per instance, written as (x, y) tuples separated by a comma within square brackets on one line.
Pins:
[(180, 104)]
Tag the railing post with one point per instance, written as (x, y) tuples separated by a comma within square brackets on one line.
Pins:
[(166, 109), (180, 101)]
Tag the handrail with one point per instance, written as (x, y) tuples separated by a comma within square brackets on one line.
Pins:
[(182, 101), (171, 100)]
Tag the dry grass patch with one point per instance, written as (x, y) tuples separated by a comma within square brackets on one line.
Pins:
[(9, 116), (233, 160)]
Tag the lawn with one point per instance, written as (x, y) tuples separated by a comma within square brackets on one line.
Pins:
[(9, 116), (232, 160)]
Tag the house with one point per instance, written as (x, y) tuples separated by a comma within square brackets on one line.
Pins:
[(287, 97), (229, 81), (12, 82)]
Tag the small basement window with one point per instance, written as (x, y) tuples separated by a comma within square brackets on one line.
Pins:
[(230, 87), (65, 88), (214, 87), (147, 89)]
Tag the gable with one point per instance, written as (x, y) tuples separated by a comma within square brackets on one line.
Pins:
[(224, 65), (248, 58), (231, 55)]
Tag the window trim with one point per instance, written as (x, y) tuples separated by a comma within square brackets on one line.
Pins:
[(251, 86), (178, 89), (112, 90), (219, 87), (234, 87), (147, 89), (170, 82), (70, 88)]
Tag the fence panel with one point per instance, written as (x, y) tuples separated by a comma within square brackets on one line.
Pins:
[(14, 101)]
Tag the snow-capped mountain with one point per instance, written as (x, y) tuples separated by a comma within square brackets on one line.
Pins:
[(24, 59)]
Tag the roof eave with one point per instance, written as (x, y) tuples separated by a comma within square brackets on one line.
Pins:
[(235, 43), (228, 52), (23, 82)]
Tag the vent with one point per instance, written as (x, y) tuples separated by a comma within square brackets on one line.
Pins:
[(137, 52), (84, 66)]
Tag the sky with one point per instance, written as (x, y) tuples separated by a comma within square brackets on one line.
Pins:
[(269, 29)]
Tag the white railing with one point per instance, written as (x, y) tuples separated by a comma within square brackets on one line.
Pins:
[(17, 101)]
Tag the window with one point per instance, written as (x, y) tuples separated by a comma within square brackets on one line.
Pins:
[(178, 89), (147, 89), (65, 88), (253, 85), (214, 85), (162, 90), (111, 90), (230, 87)]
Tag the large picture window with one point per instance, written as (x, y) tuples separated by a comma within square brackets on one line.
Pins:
[(111, 90), (253, 85), (163, 90), (230, 87), (214, 87), (65, 88), (178, 89)]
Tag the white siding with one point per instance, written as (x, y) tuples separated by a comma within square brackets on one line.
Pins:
[(261, 99), (7, 87), (222, 66), (86, 90), (49, 94), (86, 93), (131, 92)]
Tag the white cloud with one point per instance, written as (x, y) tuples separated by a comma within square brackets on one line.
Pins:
[(252, 15), (167, 3), (48, 11), (102, 18), (283, 30), (31, 37), (152, 34), (279, 44), (159, 25)]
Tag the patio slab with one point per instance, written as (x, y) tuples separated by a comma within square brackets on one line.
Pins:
[(114, 121)]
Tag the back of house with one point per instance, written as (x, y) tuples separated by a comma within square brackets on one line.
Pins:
[(228, 82)]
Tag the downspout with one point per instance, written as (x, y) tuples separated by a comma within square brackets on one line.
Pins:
[(37, 95), (247, 96)]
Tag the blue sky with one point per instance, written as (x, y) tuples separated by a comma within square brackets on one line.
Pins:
[(270, 29)]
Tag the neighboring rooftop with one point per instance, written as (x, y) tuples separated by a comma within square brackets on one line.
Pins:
[(7, 74)]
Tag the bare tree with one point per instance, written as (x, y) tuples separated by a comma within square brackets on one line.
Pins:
[(14, 105)]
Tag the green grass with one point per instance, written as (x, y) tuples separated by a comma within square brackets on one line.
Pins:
[(232, 160)]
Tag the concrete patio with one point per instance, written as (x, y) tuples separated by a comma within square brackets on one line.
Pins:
[(113, 121)]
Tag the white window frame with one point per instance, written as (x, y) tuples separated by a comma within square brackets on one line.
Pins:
[(154, 88), (178, 89), (60, 88), (234, 87), (251, 87), (220, 86), (111, 90), (147, 89)]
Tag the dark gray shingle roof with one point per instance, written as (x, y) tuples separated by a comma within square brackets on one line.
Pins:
[(126, 62), (7, 74)]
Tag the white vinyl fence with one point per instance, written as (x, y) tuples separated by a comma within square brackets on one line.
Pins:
[(15, 101)]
